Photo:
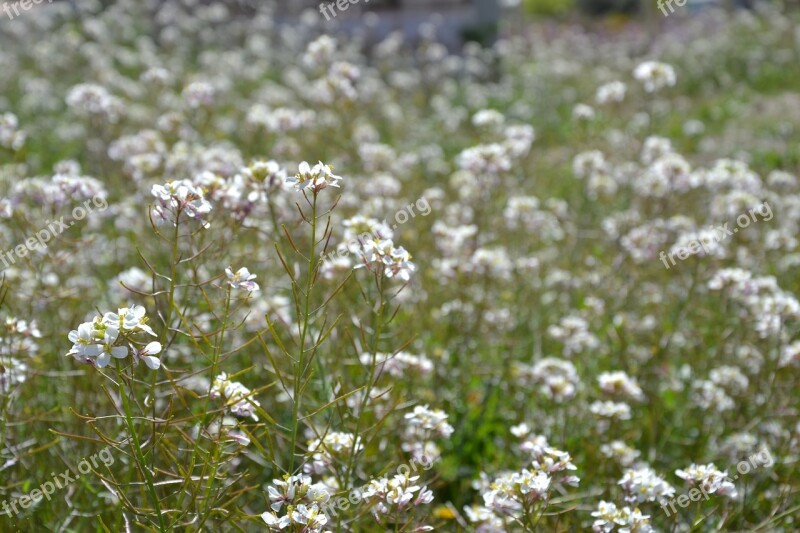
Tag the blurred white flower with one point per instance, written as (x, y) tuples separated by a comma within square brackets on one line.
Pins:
[(654, 75)]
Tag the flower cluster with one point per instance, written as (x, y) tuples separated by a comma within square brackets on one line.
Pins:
[(399, 364), (509, 496), (709, 478), (18, 341), (112, 335), (238, 398), (11, 136), (332, 446), (381, 255), (397, 495), (176, 197), (643, 484), (315, 178), (303, 501), (655, 75), (626, 519)]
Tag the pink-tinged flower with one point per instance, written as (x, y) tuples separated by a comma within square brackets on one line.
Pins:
[(241, 279)]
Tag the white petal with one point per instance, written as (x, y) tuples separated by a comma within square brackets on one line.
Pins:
[(147, 329), (152, 363), (111, 335), (92, 350), (120, 352), (103, 360), (153, 348)]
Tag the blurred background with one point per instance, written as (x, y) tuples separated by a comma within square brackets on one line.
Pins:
[(460, 21), (479, 20)]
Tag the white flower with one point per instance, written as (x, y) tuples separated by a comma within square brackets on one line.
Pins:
[(644, 485), (583, 112), (175, 197), (619, 410), (318, 177), (242, 279), (530, 482), (109, 350), (611, 92), (96, 341), (620, 383), (238, 397), (426, 419), (382, 253), (273, 522), (147, 355), (83, 340), (312, 518), (709, 478), (609, 517), (302, 501), (654, 75), (488, 118), (129, 319), (521, 430)]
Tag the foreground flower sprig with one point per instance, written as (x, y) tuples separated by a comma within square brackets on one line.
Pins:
[(315, 178), (112, 336), (302, 500)]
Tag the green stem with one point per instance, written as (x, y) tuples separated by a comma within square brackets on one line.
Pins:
[(137, 450), (165, 333), (206, 421), (300, 371), (377, 329)]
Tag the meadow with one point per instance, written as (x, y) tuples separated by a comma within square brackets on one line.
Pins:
[(271, 276)]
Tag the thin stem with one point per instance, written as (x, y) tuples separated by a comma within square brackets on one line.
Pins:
[(301, 360), (377, 329), (167, 320), (136, 448)]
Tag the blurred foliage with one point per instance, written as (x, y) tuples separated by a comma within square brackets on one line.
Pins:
[(595, 8), (549, 7), (605, 7)]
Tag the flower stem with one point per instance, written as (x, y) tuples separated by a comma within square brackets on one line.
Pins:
[(137, 449), (301, 362)]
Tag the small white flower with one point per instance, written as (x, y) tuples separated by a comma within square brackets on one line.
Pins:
[(109, 350), (242, 279), (654, 75), (318, 177), (273, 522), (147, 355)]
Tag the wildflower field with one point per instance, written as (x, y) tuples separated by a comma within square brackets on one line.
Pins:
[(267, 275)]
